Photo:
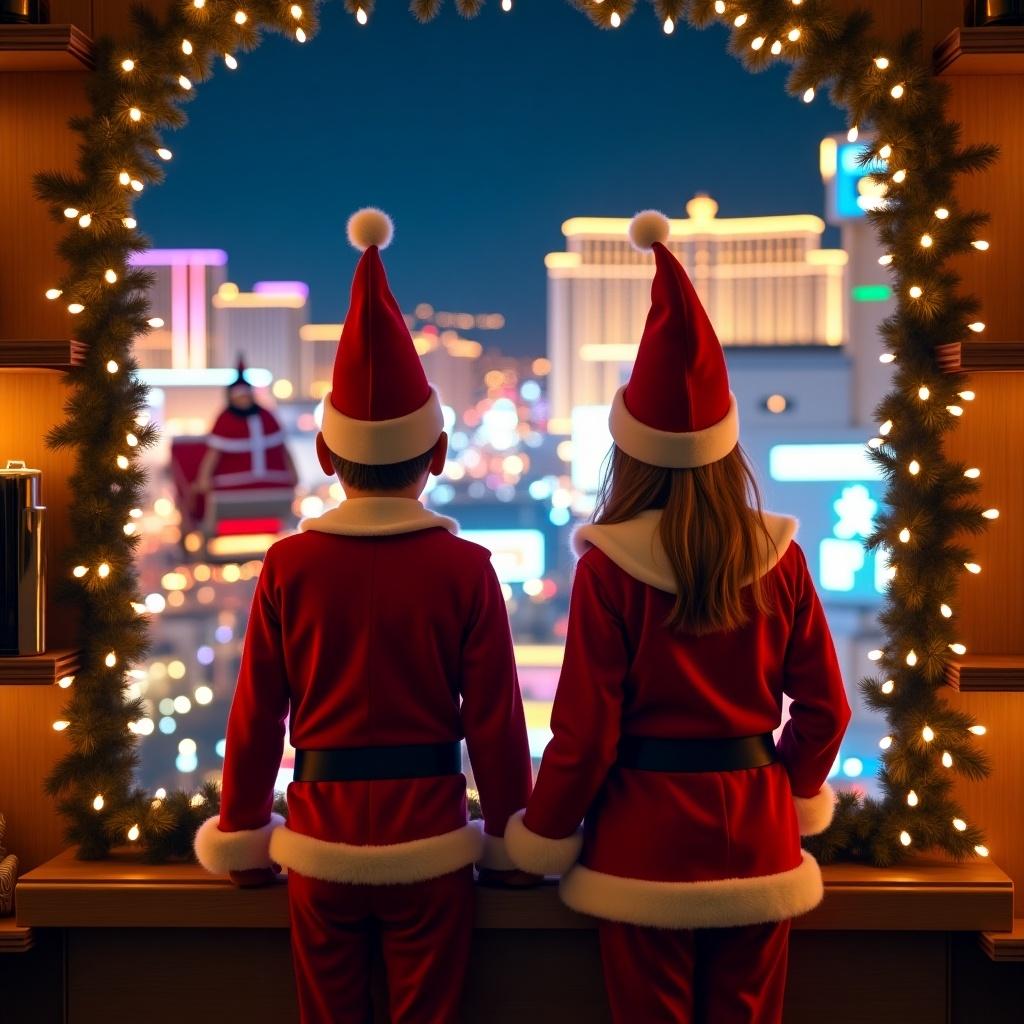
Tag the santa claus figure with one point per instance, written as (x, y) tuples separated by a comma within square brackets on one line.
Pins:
[(384, 638), (245, 448), (692, 614)]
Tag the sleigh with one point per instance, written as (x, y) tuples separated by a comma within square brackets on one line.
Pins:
[(231, 523)]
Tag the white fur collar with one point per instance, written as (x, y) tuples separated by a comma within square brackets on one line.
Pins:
[(635, 546), (378, 517)]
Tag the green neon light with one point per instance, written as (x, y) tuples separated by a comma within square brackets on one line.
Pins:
[(872, 293)]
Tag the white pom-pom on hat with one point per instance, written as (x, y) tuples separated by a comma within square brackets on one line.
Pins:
[(648, 227), (370, 226)]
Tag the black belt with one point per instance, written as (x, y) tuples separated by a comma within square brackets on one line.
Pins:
[(653, 754), (358, 764)]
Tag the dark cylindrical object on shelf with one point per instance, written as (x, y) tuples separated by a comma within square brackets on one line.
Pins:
[(22, 562), (997, 12), (24, 12)]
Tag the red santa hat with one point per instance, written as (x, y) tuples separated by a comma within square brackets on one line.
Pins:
[(380, 409), (677, 410)]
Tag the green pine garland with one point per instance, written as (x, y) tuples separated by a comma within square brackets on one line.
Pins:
[(137, 91)]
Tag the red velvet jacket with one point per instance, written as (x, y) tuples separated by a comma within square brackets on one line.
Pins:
[(375, 626), (685, 849)]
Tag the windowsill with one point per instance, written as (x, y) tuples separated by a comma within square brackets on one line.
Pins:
[(125, 892)]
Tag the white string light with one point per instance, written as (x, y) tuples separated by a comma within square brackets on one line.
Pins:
[(719, 6), (74, 308), (972, 567), (135, 114), (888, 686), (875, 655), (967, 396), (887, 357), (853, 134), (103, 571), (793, 35), (112, 366), (164, 154), (70, 212), (886, 259), (133, 833), (85, 220), (777, 47), (110, 276), (881, 63), (959, 824), (911, 658), (885, 152), (53, 293), (990, 513), (60, 725), (981, 851), (110, 660), (615, 21), (757, 42), (97, 804), (128, 64), (885, 742), (927, 734), (905, 535), (79, 571), (972, 473), (900, 176), (122, 462), (808, 96), (924, 393), (946, 611), (914, 467), (186, 48), (668, 27), (916, 291), (978, 730), (65, 681), (927, 241), (300, 34), (905, 838), (947, 759), (959, 649), (130, 223), (184, 82), (912, 800), (241, 17), (740, 21), (977, 327), (896, 92), (954, 410), (942, 213)]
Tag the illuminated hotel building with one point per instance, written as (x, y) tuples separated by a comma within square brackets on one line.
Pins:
[(765, 281), (181, 300)]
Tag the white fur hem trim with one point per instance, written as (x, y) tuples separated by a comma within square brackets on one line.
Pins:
[(495, 855), (635, 546), (685, 450), (220, 852), (726, 903), (378, 517), (814, 813), (539, 854), (395, 864), (383, 442)]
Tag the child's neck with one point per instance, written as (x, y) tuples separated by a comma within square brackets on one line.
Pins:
[(412, 491)]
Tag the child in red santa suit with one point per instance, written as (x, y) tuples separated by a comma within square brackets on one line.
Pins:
[(384, 638), (692, 614)]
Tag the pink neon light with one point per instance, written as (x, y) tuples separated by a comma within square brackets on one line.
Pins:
[(179, 316), (197, 316), (297, 288), (179, 258)]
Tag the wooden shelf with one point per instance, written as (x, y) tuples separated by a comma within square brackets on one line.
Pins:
[(987, 673), (46, 355), (39, 669), (1005, 947), (124, 892), (14, 938), (981, 356), (45, 48), (998, 50)]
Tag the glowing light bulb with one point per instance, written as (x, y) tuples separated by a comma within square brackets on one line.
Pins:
[(615, 21), (875, 442), (110, 276), (887, 357), (911, 658), (777, 47), (888, 686), (905, 535), (757, 42), (132, 440), (231, 62), (112, 366), (128, 64), (914, 468), (885, 152), (85, 220), (161, 793), (973, 473), (97, 804), (958, 648), (70, 212), (954, 410), (959, 824), (875, 655), (981, 851), (124, 178), (129, 531), (110, 660), (916, 291), (135, 114), (719, 6), (967, 396), (122, 462), (924, 393), (296, 12), (896, 92), (164, 154), (942, 213), (980, 244), (853, 134), (927, 241), (808, 96), (927, 734), (79, 571), (60, 725), (740, 20), (793, 35), (977, 327), (53, 293), (75, 308), (130, 223), (133, 833), (300, 35), (905, 838), (65, 681), (103, 571), (990, 513), (885, 742), (198, 4), (241, 17), (881, 63), (912, 800), (885, 260), (972, 567), (668, 27), (136, 513), (947, 759), (978, 730), (184, 82), (186, 48), (198, 800), (947, 612)]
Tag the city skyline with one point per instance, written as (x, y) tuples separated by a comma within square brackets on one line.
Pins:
[(451, 165)]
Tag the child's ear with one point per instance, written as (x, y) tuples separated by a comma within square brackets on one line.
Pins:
[(440, 455), (323, 454)]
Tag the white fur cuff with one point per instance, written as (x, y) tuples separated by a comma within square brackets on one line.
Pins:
[(814, 813), (538, 854), (495, 855), (220, 852)]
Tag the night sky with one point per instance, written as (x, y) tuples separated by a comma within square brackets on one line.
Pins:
[(479, 138)]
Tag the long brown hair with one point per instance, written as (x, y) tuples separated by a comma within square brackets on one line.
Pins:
[(711, 528)]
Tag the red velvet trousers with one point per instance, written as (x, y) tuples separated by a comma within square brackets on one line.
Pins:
[(709, 976), (424, 930)]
